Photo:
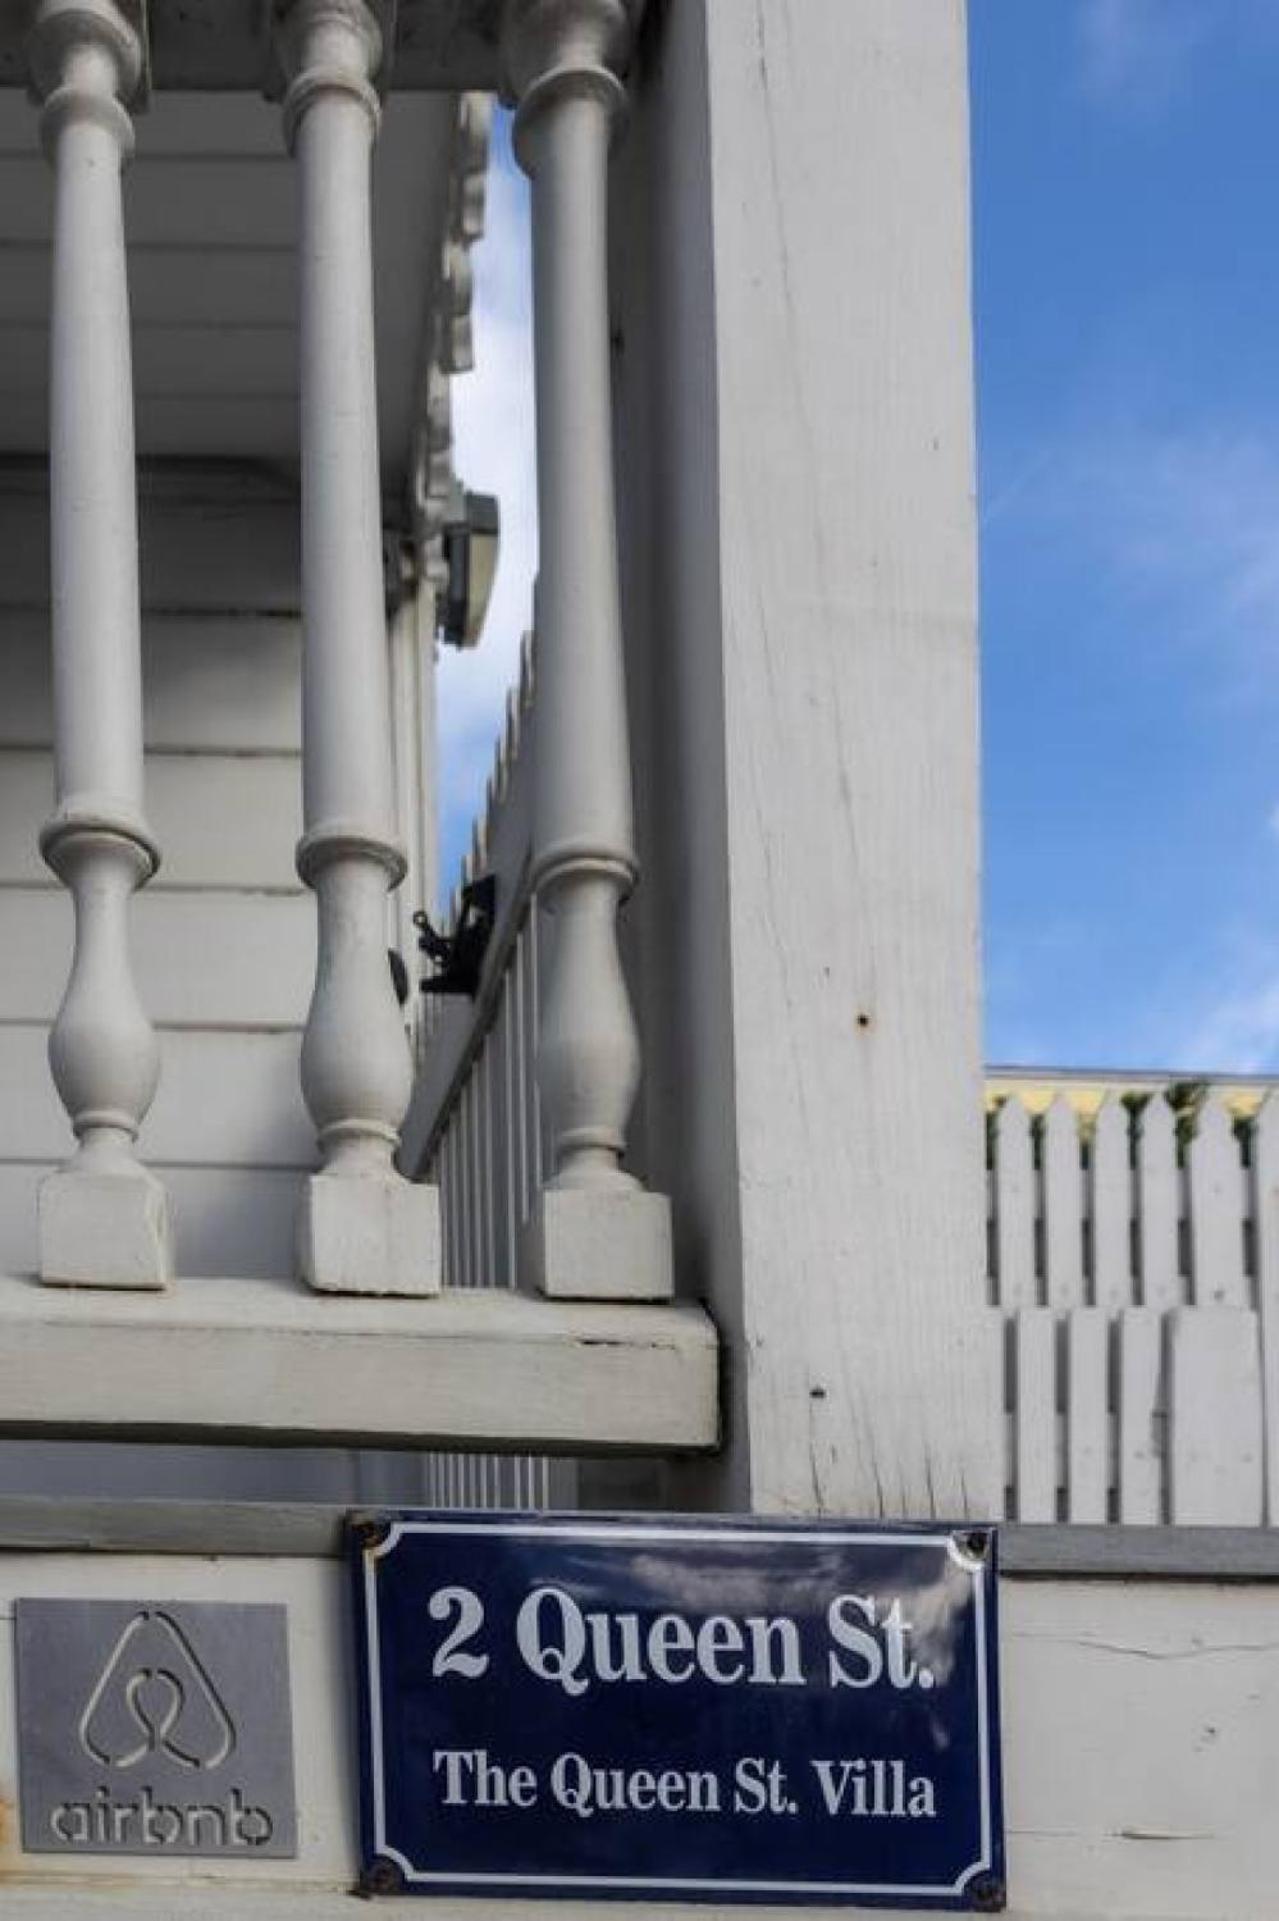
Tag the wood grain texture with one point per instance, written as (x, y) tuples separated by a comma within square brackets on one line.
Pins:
[(801, 607)]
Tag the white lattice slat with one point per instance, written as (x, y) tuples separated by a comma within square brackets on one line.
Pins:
[(1110, 1200), (1216, 1210), (1014, 1207), (1215, 1470), (1265, 1176), (1063, 1206), (1158, 1208), (1139, 1333), (1088, 1415), (1035, 1414)]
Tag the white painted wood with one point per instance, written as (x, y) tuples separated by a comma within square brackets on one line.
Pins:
[(1215, 1181), (1063, 1206), (563, 65), (1158, 1205), (252, 1360), (202, 959), (362, 1227), (208, 681), (225, 821), (104, 1220), (1035, 1415), (211, 541), (1152, 1802), (226, 1220), (1140, 1415), (799, 601), (1088, 1425), (1110, 1206), (1215, 1444), (226, 1099), (1265, 1176), (1015, 1207)]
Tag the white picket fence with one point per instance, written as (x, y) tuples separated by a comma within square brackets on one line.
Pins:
[(1134, 1268)]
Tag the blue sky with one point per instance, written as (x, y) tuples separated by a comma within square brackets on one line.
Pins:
[(1126, 286), (1126, 157)]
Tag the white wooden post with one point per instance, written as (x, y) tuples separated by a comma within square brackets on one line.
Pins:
[(362, 1227), (104, 1219), (794, 406), (594, 1231)]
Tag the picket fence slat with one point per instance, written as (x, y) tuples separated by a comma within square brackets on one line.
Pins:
[(1063, 1206), (1035, 1414), (1140, 1450), (1215, 1474), (1110, 1194), (1216, 1225), (1158, 1206), (1265, 1176), (1014, 1207), (1088, 1415)]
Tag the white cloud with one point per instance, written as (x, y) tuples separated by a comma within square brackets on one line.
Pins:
[(493, 423), (1237, 1033), (1183, 522), (1139, 53)]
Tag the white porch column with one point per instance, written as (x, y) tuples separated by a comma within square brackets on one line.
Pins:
[(794, 410), (104, 1220), (596, 1232), (362, 1227)]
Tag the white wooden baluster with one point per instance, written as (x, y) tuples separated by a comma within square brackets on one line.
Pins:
[(362, 1228), (104, 1219), (594, 1231)]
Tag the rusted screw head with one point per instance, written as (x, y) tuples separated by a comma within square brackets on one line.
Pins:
[(988, 1895), (381, 1877), (370, 1532), (975, 1544)]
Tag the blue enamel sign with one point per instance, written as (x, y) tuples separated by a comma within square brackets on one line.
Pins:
[(679, 1709)]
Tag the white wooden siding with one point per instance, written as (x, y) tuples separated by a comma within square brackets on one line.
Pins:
[(224, 938), (1132, 1263)]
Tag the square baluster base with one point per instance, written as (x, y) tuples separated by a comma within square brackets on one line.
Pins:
[(599, 1244), (373, 1234), (111, 1229)]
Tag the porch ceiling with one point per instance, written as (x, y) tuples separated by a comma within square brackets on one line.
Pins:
[(210, 217)]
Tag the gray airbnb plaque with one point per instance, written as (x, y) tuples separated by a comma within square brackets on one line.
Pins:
[(155, 1727)]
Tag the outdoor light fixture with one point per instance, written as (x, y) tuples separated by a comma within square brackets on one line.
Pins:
[(470, 555)]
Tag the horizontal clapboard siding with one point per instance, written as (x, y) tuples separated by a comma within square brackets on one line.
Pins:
[(201, 960), (222, 820), (227, 1097), (210, 681)]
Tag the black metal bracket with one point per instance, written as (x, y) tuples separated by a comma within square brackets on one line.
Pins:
[(459, 956)]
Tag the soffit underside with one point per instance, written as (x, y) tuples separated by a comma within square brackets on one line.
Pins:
[(211, 223)]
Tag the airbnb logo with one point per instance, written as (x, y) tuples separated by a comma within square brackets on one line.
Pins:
[(155, 1697), (155, 1727)]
